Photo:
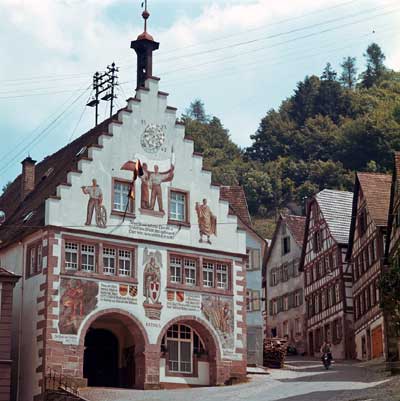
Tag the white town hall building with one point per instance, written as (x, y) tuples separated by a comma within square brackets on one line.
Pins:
[(142, 293)]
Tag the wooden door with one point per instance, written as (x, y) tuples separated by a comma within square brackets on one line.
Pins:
[(377, 342)]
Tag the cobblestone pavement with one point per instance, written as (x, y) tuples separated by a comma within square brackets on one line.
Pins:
[(301, 381)]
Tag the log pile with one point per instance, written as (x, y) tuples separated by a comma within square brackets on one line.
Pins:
[(275, 350)]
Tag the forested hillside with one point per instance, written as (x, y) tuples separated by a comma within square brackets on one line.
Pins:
[(333, 125)]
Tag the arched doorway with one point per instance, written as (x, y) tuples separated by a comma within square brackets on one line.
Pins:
[(189, 353), (100, 363), (113, 343)]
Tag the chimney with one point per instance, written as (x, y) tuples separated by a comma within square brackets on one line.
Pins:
[(28, 176)]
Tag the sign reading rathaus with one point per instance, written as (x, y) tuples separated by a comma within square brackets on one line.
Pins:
[(127, 291)]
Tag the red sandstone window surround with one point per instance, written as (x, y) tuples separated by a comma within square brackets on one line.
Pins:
[(202, 274), (104, 260), (34, 259)]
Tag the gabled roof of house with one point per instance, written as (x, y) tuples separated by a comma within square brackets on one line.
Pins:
[(295, 224), (336, 207), (376, 189), (236, 197), (27, 215)]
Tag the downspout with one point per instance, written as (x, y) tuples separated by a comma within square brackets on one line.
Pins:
[(19, 378)]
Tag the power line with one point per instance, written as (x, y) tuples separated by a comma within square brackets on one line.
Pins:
[(43, 132), (63, 76)]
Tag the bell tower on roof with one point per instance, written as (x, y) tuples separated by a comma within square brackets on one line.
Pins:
[(144, 46)]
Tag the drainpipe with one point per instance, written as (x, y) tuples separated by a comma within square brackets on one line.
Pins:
[(19, 378)]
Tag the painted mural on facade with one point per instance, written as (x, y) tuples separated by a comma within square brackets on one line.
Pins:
[(152, 262), (219, 312), (95, 205), (78, 298), (207, 221)]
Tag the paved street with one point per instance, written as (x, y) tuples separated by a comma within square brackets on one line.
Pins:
[(302, 381)]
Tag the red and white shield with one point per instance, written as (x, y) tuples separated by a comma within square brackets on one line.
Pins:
[(154, 291)]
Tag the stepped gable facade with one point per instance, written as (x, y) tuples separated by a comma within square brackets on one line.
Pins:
[(141, 291), (256, 248), (286, 312), (327, 276), (392, 259), (366, 255)]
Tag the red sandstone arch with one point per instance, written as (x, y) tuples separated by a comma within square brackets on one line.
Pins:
[(209, 339), (134, 327)]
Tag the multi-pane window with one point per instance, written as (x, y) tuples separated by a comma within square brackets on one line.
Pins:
[(274, 307), (285, 328), (88, 257), (175, 269), (286, 303), (253, 300), (323, 300), (317, 241), (32, 264), (71, 255), (337, 292), (121, 197), (274, 277), (181, 342), (253, 259), (297, 298), (190, 271), (109, 260), (177, 206), (316, 303), (285, 272), (222, 276), (208, 274), (124, 263)]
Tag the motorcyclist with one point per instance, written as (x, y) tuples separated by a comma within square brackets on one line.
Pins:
[(326, 349)]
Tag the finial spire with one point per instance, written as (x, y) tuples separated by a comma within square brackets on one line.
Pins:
[(145, 15)]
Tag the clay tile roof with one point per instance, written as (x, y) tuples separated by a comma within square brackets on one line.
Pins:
[(376, 189), (296, 225), (234, 194), (336, 207), (50, 172)]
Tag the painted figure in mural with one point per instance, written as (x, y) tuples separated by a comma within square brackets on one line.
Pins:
[(72, 299), (156, 179), (95, 204), (206, 220), (144, 198)]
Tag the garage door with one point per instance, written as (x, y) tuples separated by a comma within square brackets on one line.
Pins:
[(377, 342)]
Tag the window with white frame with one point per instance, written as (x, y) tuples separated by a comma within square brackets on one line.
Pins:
[(71, 255), (124, 263), (253, 300), (190, 271), (121, 197), (297, 296), (222, 276), (181, 343), (274, 307), (285, 328), (32, 263), (208, 274), (286, 303), (88, 257), (274, 277), (177, 206), (175, 269), (109, 261)]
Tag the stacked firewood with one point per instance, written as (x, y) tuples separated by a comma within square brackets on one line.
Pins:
[(275, 352)]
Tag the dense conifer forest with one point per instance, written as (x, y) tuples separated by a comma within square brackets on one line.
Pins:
[(333, 125)]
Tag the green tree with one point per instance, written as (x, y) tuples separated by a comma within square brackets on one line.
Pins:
[(348, 78), (196, 111), (375, 66), (6, 186)]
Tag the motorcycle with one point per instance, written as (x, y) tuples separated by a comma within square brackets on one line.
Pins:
[(326, 360)]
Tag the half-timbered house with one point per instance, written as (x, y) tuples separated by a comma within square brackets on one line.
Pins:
[(392, 261), (366, 254), (327, 277), (285, 283)]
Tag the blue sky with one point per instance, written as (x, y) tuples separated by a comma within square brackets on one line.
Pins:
[(241, 57)]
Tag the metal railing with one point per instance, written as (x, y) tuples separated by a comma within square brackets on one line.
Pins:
[(57, 381)]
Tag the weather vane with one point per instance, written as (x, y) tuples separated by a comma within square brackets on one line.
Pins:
[(145, 14)]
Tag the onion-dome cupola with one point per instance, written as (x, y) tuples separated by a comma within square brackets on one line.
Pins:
[(144, 46)]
